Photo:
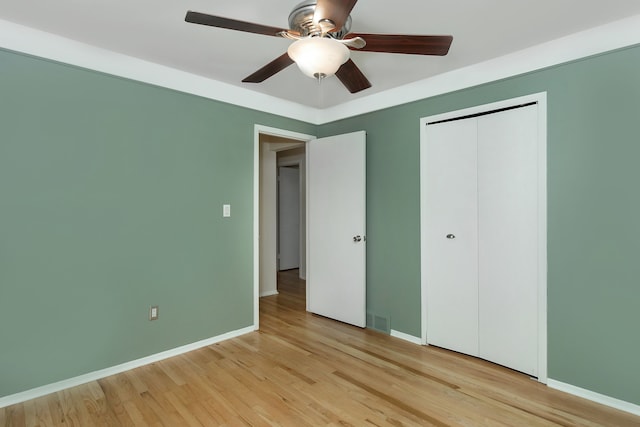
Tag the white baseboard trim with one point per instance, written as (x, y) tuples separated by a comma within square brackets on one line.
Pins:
[(406, 337), (268, 293), (595, 397), (102, 373)]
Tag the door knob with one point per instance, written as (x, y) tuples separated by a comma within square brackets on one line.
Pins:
[(357, 239), (451, 236)]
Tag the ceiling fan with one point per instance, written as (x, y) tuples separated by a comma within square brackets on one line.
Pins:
[(321, 30)]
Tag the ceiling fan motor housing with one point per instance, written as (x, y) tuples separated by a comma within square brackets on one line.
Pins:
[(301, 20)]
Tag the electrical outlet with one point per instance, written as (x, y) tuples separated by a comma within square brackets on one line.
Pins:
[(153, 312)]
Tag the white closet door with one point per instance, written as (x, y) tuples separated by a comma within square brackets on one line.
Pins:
[(508, 238), (452, 262)]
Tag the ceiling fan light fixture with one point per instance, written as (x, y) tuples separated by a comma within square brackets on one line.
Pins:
[(318, 57)]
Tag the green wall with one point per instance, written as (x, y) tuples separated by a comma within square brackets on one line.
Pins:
[(593, 213), (111, 196)]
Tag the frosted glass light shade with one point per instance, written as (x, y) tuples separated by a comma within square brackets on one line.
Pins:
[(318, 57)]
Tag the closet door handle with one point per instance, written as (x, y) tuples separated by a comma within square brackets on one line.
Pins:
[(451, 236)]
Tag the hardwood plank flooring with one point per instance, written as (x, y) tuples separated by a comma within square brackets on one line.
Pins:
[(306, 370)]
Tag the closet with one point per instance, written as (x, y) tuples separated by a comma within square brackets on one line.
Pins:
[(481, 239)]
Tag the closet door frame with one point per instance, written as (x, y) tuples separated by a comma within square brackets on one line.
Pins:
[(541, 100)]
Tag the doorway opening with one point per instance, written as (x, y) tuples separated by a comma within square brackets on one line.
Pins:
[(335, 254), (274, 149), (291, 210)]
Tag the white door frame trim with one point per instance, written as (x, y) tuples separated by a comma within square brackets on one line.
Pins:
[(257, 131), (541, 99)]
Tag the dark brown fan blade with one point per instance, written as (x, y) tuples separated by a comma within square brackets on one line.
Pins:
[(352, 78), (397, 43), (273, 67), (336, 11), (231, 24)]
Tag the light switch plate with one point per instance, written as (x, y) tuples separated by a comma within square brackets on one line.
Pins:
[(226, 211)]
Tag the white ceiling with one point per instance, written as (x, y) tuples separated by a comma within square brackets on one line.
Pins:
[(155, 31)]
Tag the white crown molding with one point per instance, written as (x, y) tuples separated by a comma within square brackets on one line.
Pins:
[(96, 375), (34, 42), (594, 397), (615, 35)]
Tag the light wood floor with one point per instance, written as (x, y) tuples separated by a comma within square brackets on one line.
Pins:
[(305, 370)]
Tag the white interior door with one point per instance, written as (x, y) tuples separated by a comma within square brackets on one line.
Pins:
[(288, 217), (452, 236), (336, 212), (508, 238)]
